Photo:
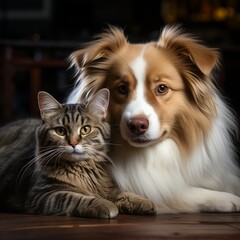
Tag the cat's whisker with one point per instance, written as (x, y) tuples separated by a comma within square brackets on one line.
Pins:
[(55, 153), (103, 155), (23, 171), (25, 168)]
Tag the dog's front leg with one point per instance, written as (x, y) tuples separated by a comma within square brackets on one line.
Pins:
[(131, 203), (204, 200)]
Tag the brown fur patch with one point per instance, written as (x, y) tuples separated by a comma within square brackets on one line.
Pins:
[(177, 60)]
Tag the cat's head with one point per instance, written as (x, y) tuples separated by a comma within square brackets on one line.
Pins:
[(73, 132)]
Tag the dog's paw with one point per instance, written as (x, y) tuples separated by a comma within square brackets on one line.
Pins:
[(144, 207), (131, 203), (226, 203)]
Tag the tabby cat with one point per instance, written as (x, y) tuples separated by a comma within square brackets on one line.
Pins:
[(69, 173)]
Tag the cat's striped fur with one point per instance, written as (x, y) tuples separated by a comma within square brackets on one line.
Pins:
[(69, 174)]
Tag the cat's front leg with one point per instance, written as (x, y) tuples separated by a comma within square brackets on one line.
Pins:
[(131, 203), (69, 204)]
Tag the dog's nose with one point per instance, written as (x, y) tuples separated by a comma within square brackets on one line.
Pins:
[(138, 125)]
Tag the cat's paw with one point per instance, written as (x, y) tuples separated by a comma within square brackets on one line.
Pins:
[(131, 203), (101, 208)]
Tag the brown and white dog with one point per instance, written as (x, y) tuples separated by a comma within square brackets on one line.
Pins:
[(171, 129)]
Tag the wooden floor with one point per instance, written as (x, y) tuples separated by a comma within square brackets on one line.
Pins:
[(183, 226)]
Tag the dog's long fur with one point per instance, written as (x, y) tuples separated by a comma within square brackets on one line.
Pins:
[(171, 129)]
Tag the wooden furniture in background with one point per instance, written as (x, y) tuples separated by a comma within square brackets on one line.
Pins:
[(32, 57)]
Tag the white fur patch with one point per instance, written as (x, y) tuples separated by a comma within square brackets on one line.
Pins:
[(153, 172), (138, 106)]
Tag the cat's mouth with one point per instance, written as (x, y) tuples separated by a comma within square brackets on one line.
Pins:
[(73, 156), (76, 153)]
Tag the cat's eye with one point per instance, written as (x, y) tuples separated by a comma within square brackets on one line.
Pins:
[(85, 130), (61, 131)]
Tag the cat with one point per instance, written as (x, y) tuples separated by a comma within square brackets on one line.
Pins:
[(69, 173)]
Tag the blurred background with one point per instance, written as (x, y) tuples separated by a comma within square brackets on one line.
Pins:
[(37, 36)]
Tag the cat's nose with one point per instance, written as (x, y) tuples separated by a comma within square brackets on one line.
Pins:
[(73, 143)]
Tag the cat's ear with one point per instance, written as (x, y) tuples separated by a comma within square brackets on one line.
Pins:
[(47, 104), (99, 103)]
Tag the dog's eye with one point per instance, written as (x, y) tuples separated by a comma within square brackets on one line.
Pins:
[(123, 89), (162, 89)]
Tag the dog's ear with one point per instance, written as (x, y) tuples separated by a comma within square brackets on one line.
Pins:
[(111, 40), (196, 63), (188, 47)]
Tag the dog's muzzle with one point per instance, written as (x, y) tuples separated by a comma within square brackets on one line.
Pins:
[(138, 125)]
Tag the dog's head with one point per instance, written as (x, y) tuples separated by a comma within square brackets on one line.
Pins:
[(159, 90)]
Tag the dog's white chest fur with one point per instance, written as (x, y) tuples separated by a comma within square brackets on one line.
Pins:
[(179, 185), (151, 172)]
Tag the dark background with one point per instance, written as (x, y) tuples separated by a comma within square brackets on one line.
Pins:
[(52, 29)]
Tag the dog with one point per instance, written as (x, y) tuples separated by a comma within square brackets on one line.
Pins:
[(171, 127)]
